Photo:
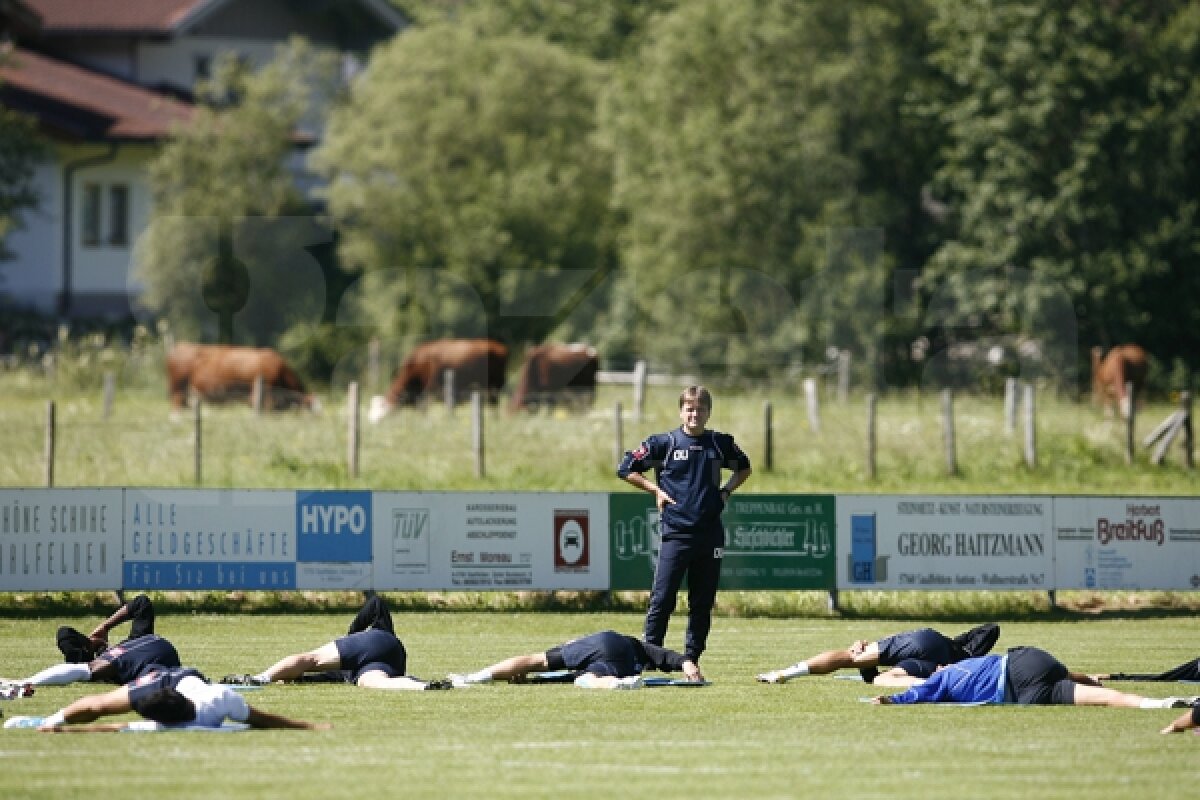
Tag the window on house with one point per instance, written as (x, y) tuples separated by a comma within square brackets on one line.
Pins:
[(203, 63), (91, 214), (118, 215)]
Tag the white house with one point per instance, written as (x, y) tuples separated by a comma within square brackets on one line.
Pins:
[(107, 81)]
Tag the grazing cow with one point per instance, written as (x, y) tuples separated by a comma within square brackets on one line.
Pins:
[(477, 364), (1125, 363), (557, 372), (220, 373)]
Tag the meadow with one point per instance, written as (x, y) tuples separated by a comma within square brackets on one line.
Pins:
[(735, 738), (141, 443)]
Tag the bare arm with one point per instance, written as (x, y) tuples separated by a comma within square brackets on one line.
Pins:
[(640, 481), (735, 480), (1187, 720), (265, 719)]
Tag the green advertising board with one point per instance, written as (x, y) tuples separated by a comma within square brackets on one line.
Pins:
[(772, 541)]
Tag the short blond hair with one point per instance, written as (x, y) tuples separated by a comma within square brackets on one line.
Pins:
[(696, 394)]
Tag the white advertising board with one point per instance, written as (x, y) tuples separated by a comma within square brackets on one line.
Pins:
[(491, 541), (191, 539), (944, 542), (1127, 543), (60, 539)]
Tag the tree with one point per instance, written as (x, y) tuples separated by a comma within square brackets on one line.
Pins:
[(761, 156), (227, 254), (467, 183), (1071, 161), (20, 150)]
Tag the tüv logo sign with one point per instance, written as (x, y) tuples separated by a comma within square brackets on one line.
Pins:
[(333, 526)]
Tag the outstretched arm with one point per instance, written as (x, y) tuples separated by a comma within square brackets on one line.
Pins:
[(265, 719), (1184, 722)]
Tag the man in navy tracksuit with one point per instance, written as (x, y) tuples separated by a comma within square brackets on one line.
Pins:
[(690, 498)]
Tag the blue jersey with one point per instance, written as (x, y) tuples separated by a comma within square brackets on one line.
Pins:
[(973, 680), (612, 653), (688, 468), (131, 659)]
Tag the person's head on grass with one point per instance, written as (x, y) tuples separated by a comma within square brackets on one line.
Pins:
[(167, 706), (695, 407)]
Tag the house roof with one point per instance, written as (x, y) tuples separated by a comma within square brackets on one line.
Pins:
[(155, 17), (78, 103), (114, 16)]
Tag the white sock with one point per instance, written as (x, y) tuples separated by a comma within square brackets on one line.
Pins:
[(262, 676), (56, 718), (795, 670), (60, 675), (1154, 702), (483, 676)]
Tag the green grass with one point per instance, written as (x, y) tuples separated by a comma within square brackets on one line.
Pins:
[(733, 739), (142, 444)]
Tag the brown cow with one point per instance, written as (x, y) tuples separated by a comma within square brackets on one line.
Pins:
[(1125, 363), (220, 373), (477, 364), (557, 372)]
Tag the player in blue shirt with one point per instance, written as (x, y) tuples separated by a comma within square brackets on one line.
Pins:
[(89, 658), (911, 656), (369, 655), (1024, 676), (690, 498), (608, 659)]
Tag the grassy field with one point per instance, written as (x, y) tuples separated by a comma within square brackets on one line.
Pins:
[(142, 444), (736, 738)]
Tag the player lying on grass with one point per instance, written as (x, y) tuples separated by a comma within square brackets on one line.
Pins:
[(607, 660), (1189, 720), (369, 655), (1024, 676), (89, 658), (911, 656), (170, 698), (1187, 671)]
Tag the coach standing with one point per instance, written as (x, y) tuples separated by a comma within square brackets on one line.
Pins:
[(690, 498)]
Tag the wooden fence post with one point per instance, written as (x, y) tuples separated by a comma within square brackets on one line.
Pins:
[(1185, 403), (871, 436), (110, 389), (1129, 422), (448, 390), (198, 440), (49, 449), (843, 385), (948, 431), (352, 429), (1010, 405), (374, 357), (1030, 428), (477, 431), (639, 389), (618, 446), (768, 439), (256, 395), (812, 404)]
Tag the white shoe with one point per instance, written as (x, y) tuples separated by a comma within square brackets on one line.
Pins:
[(774, 676), (23, 722), (632, 682), (1181, 702)]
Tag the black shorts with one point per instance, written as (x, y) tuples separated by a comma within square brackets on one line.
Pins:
[(370, 650), (1036, 678), (924, 644)]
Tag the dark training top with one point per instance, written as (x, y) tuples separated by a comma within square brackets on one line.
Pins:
[(688, 468), (612, 653), (132, 659)]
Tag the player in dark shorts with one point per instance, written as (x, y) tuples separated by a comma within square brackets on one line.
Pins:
[(89, 658), (607, 660), (687, 463), (166, 698), (911, 656), (1023, 676), (369, 655)]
